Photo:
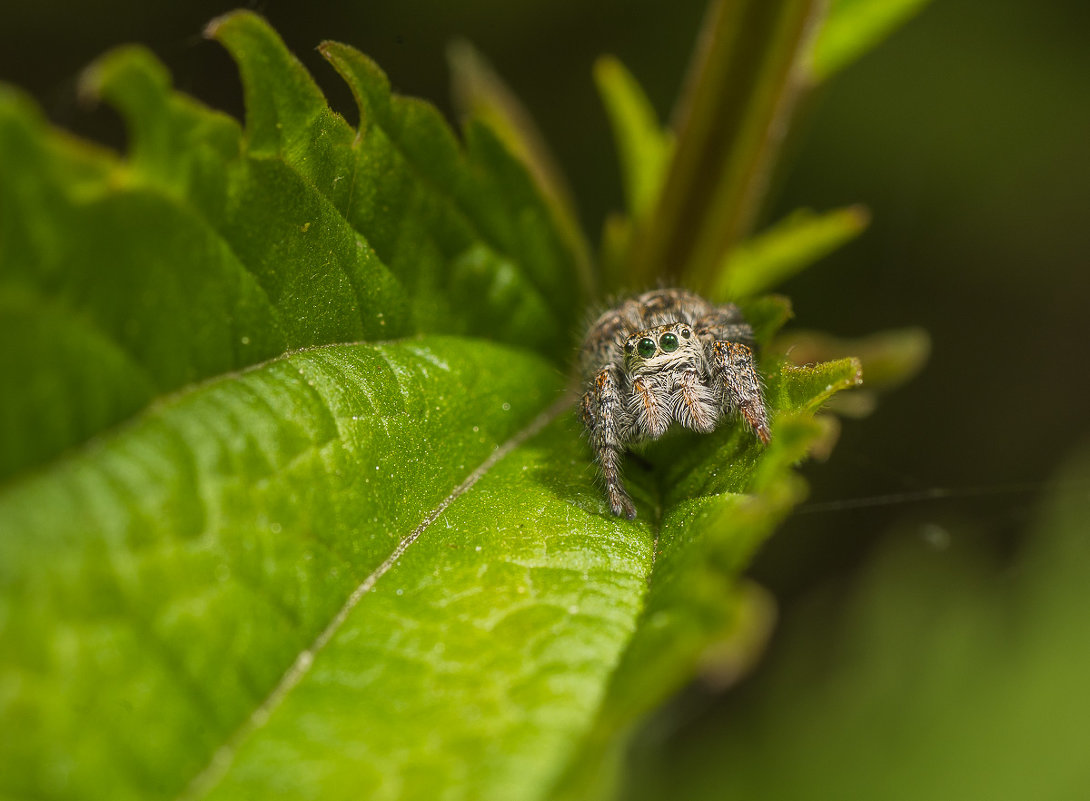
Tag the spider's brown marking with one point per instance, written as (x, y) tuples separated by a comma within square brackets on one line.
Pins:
[(649, 405)]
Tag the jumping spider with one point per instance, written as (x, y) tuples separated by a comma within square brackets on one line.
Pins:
[(658, 358)]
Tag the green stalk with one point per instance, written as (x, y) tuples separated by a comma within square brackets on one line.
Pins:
[(742, 85)]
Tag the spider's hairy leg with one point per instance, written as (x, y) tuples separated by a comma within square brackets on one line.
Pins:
[(601, 409), (735, 368)]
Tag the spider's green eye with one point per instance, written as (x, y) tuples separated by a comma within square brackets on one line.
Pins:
[(646, 347), (668, 342)]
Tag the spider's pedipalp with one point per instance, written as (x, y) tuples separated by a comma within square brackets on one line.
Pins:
[(694, 403), (649, 414)]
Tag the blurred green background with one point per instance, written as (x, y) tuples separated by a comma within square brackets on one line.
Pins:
[(967, 134)]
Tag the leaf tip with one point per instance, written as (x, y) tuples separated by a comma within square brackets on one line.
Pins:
[(462, 56), (467, 73), (367, 81), (14, 102), (334, 52), (859, 215), (89, 85), (807, 388), (890, 358), (212, 27), (331, 49), (857, 366), (215, 27), (107, 77), (606, 68), (241, 31)]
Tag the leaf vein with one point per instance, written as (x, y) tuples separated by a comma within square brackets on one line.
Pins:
[(221, 761)]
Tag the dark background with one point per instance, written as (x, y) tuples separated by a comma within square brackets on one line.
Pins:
[(966, 134)]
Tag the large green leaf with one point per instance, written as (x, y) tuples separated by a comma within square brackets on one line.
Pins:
[(322, 576), (280, 519), (157, 585)]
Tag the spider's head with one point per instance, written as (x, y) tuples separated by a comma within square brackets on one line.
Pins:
[(664, 347)]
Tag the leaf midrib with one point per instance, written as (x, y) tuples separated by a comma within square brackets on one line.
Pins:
[(223, 757)]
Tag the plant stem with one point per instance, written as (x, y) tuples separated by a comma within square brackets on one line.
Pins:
[(743, 81)]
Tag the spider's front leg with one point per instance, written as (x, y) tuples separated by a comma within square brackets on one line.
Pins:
[(601, 410), (735, 369)]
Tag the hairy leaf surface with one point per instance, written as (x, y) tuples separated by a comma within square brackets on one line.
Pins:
[(157, 585)]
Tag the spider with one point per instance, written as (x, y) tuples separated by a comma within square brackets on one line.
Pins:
[(666, 356)]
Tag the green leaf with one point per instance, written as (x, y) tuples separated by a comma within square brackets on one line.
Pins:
[(480, 211), (741, 89), (777, 253), (889, 359), (209, 250), (643, 147), (93, 268), (256, 566), (942, 674), (281, 520), (482, 95), (851, 28), (157, 585)]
